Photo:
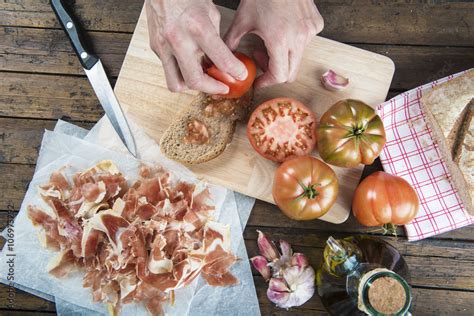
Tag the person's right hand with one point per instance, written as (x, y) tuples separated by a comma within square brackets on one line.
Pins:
[(285, 26), (181, 32)]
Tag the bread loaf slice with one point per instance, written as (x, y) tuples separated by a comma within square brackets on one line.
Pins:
[(217, 116), (449, 108)]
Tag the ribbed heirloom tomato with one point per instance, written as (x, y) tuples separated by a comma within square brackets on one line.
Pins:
[(305, 188), (383, 199), (281, 129), (237, 88), (350, 133)]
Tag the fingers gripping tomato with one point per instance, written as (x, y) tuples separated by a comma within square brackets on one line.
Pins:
[(350, 133), (305, 188), (237, 88), (281, 129), (382, 199)]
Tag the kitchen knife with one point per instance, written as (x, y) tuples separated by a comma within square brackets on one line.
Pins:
[(97, 77)]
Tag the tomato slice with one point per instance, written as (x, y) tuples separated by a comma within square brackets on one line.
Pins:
[(281, 129), (237, 88)]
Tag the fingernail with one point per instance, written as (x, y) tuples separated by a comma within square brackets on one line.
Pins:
[(224, 89), (243, 75)]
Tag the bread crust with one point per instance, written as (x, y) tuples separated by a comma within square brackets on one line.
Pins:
[(449, 109)]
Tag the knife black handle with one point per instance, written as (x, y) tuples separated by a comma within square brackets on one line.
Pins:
[(71, 28)]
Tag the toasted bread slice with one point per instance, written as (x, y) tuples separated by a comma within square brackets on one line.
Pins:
[(219, 128), (449, 109)]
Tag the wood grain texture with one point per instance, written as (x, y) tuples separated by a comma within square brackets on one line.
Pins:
[(41, 78), (48, 51), (48, 97), (21, 145), (441, 22), (14, 184), (447, 303), (269, 216), (24, 301), (142, 92)]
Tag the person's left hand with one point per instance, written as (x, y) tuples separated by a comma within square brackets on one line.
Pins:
[(285, 26)]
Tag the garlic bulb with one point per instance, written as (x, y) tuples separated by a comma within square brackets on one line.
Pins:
[(290, 276)]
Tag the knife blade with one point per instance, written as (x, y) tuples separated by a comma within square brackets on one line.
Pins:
[(97, 77)]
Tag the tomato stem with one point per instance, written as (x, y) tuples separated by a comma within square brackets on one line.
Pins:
[(358, 130), (309, 191), (390, 229)]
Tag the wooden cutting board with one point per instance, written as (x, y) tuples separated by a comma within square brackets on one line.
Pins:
[(141, 90)]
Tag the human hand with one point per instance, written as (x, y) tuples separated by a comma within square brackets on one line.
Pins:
[(285, 26), (181, 32)]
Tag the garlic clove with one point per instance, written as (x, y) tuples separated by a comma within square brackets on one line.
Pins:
[(279, 298), (334, 82), (261, 265), (299, 260), (267, 248), (278, 292), (278, 285), (285, 248), (301, 284)]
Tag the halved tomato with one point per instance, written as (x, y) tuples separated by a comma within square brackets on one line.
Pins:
[(281, 129), (237, 88)]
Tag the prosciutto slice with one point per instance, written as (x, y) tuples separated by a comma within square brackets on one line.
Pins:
[(135, 243)]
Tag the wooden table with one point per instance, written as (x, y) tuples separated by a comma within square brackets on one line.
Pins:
[(41, 81)]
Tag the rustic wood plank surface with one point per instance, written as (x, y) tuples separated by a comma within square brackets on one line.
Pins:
[(41, 81)]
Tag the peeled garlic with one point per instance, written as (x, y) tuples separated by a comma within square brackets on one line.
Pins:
[(334, 82)]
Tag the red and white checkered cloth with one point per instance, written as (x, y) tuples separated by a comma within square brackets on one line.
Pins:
[(411, 153)]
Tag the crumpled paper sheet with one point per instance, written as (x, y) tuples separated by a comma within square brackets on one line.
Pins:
[(59, 149)]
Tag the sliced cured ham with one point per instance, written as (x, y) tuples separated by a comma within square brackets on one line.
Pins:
[(62, 264), (135, 243), (91, 238), (111, 223), (225, 279), (94, 192)]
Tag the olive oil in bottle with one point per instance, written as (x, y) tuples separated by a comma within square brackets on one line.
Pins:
[(363, 275)]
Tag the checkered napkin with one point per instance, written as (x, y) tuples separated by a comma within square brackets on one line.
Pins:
[(411, 153)]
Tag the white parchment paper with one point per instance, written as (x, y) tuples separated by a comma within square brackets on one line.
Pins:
[(64, 146)]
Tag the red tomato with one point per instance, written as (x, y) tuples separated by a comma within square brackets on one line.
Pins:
[(305, 188), (237, 88), (281, 129), (382, 199)]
